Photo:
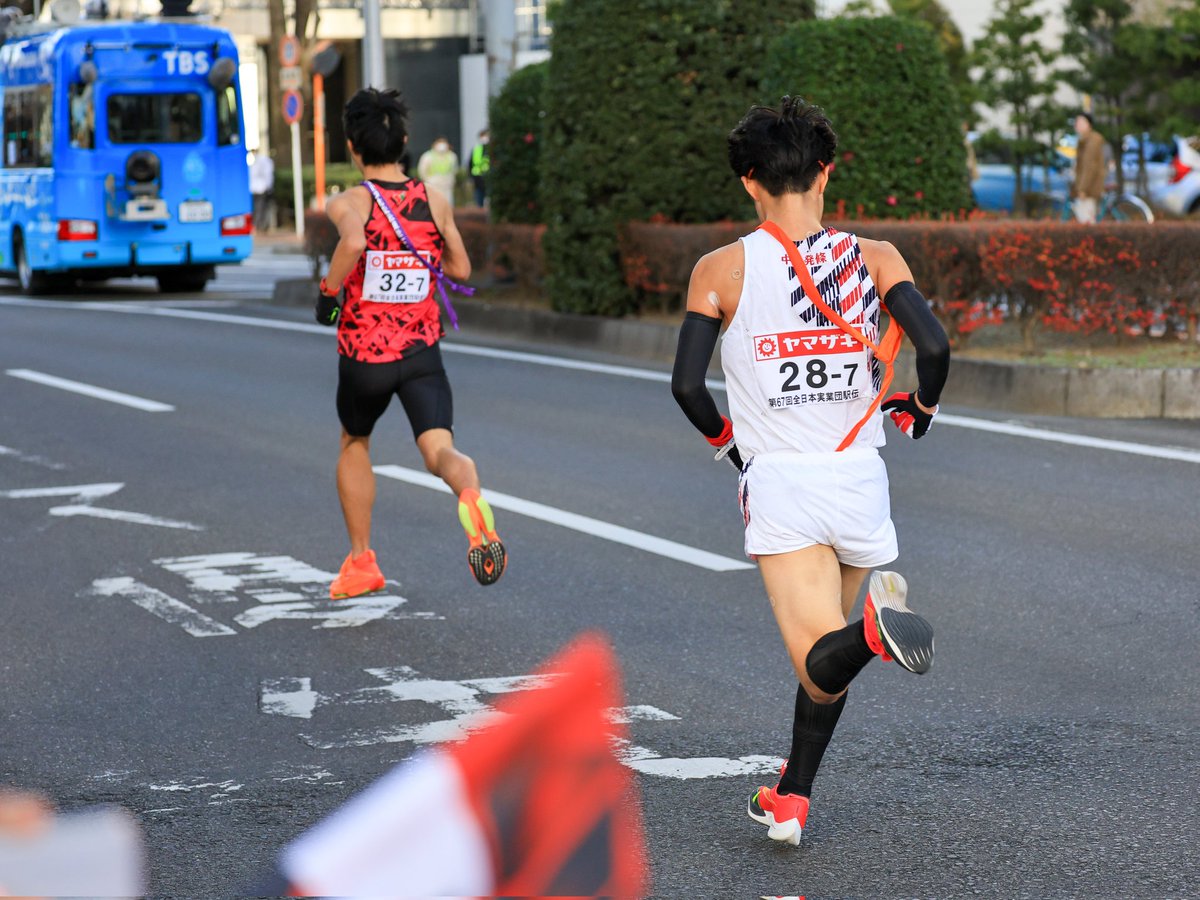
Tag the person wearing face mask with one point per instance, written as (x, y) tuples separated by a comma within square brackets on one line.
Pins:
[(480, 164), (438, 166)]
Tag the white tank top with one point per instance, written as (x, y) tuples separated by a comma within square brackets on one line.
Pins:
[(795, 381)]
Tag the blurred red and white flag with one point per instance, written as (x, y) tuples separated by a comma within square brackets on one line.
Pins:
[(533, 803)]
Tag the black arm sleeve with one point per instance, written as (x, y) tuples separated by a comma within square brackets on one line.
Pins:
[(912, 313), (697, 340)]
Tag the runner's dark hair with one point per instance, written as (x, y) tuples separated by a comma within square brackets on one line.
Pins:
[(782, 149), (376, 124), (1086, 115)]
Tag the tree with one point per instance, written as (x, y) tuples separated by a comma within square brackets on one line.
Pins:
[(1014, 73), (640, 95), (516, 121), (949, 39), (887, 90)]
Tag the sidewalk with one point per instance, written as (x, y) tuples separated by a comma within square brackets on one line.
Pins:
[(278, 241), (1170, 393)]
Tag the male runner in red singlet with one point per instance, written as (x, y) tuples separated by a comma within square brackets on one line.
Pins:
[(805, 370), (388, 332)]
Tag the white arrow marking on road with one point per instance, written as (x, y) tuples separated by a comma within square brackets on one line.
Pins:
[(90, 390), (162, 605), (76, 491), (119, 515), (85, 493), (584, 524)]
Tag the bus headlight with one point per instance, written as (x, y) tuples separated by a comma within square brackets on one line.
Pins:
[(77, 230)]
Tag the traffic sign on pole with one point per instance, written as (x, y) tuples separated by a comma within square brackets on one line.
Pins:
[(289, 50), (290, 78), (293, 107)]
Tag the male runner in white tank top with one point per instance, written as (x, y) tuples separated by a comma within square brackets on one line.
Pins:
[(804, 383)]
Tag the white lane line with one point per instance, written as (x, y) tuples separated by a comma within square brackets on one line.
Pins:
[(89, 390), (584, 524), (162, 605), (1078, 440), (1178, 454)]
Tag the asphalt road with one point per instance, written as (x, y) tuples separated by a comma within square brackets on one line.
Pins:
[(159, 619)]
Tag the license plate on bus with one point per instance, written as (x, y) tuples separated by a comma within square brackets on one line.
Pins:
[(195, 211)]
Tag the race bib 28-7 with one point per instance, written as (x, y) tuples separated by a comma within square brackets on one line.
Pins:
[(803, 368)]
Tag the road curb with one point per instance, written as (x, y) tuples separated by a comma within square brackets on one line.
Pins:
[(1008, 387)]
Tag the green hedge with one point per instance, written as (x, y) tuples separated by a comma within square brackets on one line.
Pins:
[(885, 85), (516, 117), (639, 99)]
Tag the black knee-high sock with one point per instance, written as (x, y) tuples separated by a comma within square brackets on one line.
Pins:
[(837, 657), (811, 732)]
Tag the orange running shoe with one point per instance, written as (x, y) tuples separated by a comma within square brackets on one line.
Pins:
[(892, 629), (486, 556), (784, 814), (358, 575)]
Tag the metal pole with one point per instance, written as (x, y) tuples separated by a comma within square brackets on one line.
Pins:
[(297, 179), (373, 61), (500, 23), (319, 138)]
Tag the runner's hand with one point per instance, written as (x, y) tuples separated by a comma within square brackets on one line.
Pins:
[(726, 448), (328, 307), (908, 414)]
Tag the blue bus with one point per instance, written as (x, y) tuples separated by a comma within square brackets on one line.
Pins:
[(124, 154)]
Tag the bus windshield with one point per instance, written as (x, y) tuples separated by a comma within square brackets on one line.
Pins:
[(155, 118)]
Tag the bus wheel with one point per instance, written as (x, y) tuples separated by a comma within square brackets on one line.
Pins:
[(184, 281), (31, 282)]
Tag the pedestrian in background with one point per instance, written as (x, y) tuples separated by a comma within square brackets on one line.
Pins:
[(262, 185), (481, 162), (438, 166), (1090, 170)]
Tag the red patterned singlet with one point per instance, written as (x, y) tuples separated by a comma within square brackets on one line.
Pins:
[(377, 332)]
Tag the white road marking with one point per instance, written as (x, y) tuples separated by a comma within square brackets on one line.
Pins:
[(120, 515), (216, 577), (32, 460), (461, 701), (685, 768), (90, 390), (1178, 454), (584, 524), (77, 491), (85, 493), (165, 607)]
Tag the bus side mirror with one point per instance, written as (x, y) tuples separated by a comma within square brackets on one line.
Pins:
[(88, 72), (221, 75)]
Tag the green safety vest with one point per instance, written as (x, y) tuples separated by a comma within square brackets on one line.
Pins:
[(479, 160)]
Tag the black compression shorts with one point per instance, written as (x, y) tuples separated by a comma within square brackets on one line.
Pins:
[(419, 380)]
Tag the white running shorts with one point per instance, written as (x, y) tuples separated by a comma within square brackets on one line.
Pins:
[(791, 500)]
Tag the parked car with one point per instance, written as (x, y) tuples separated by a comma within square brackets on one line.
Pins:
[(1158, 161), (1180, 193), (993, 186)]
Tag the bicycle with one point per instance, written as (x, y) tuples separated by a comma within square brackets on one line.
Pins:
[(1113, 207)]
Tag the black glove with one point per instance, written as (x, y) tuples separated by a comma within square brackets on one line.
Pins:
[(909, 417), (328, 307)]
